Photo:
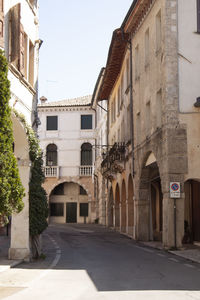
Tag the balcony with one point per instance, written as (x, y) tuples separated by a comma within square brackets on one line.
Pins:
[(51, 171), (113, 160), (85, 170)]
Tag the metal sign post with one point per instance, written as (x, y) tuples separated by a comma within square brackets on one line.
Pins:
[(175, 192)]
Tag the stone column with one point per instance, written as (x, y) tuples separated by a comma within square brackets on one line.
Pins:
[(19, 245)]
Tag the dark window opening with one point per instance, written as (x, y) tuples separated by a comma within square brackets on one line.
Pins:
[(52, 122), (82, 191), (56, 209), (83, 209), (86, 122), (59, 190), (198, 16), (51, 155), (86, 154)]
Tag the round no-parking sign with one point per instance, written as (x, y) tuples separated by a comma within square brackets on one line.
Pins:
[(175, 190)]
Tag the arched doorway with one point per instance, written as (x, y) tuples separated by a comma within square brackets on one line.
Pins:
[(150, 206), (68, 203), (192, 211), (117, 207), (110, 208), (130, 206), (123, 207)]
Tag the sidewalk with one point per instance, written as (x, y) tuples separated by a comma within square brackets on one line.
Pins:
[(5, 263), (189, 251)]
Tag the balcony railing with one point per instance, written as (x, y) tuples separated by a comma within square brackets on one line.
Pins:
[(113, 159), (85, 170), (51, 171)]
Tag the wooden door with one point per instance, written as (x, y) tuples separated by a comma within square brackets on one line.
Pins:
[(71, 212)]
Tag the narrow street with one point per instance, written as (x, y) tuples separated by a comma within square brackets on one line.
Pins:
[(86, 262)]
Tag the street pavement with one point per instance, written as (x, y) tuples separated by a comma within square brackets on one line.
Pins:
[(91, 262)]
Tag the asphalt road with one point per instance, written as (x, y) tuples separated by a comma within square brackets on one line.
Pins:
[(90, 262)]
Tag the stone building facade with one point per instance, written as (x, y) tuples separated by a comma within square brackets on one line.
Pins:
[(67, 137), (162, 49), (20, 42)]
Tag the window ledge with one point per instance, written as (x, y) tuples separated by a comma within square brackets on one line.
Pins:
[(21, 78)]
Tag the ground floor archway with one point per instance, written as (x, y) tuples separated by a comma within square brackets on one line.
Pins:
[(123, 207), (110, 209), (117, 207), (69, 203), (192, 211), (130, 206)]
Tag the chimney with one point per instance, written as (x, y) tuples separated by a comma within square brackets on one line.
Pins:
[(43, 99)]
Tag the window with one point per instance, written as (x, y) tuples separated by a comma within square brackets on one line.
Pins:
[(51, 155), (83, 209), (137, 63), (158, 31), (118, 100), (127, 73), (148, 118), (1, 24), (56, 209), (138, 127), (86, 122), (52, 122), (59, 189), (147, 47), (31, 63), (159, 108), (122, 89), (86, 154), (198, 16), (82, 191)]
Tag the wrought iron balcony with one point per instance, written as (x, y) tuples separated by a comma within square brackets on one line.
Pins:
[(113, 160)]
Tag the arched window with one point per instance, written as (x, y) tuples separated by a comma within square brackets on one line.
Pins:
[(86, 154), (51, 155)]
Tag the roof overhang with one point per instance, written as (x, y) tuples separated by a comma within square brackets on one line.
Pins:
[(114, 62)]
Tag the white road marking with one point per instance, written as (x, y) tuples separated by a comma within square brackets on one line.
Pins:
[(190, 266), (173, 259)]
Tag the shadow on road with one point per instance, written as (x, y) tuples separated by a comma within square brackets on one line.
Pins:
[(115, 262)]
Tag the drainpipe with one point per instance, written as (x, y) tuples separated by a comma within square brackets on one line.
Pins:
[(131, 105), (131, 99)]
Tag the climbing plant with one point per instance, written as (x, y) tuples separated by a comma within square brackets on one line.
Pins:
[(38, 206), (11, 189)]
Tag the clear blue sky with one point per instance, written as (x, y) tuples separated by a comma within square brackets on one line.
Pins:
[(76, 37)]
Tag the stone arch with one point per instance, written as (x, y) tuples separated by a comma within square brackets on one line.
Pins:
[(117, 207), (130, 205), (110, 208), (69, 179), (123, 207), (149, 213), (192, 211)]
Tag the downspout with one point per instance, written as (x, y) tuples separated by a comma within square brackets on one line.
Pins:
[(131, 105), (131, 100)]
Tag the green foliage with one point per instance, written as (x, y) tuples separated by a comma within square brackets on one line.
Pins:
[(11, 189), (38, 207)]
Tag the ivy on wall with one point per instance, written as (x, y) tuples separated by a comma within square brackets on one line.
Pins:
[(11, 189)]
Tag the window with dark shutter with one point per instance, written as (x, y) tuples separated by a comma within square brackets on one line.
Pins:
[(52, 122), (1, 24), (15, 30), (22, 50), (56, 209), (86, 122), (83, 209), (198, 16), (86, 154)]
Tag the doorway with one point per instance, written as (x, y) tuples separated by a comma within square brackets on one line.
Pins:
[(71, 212)]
